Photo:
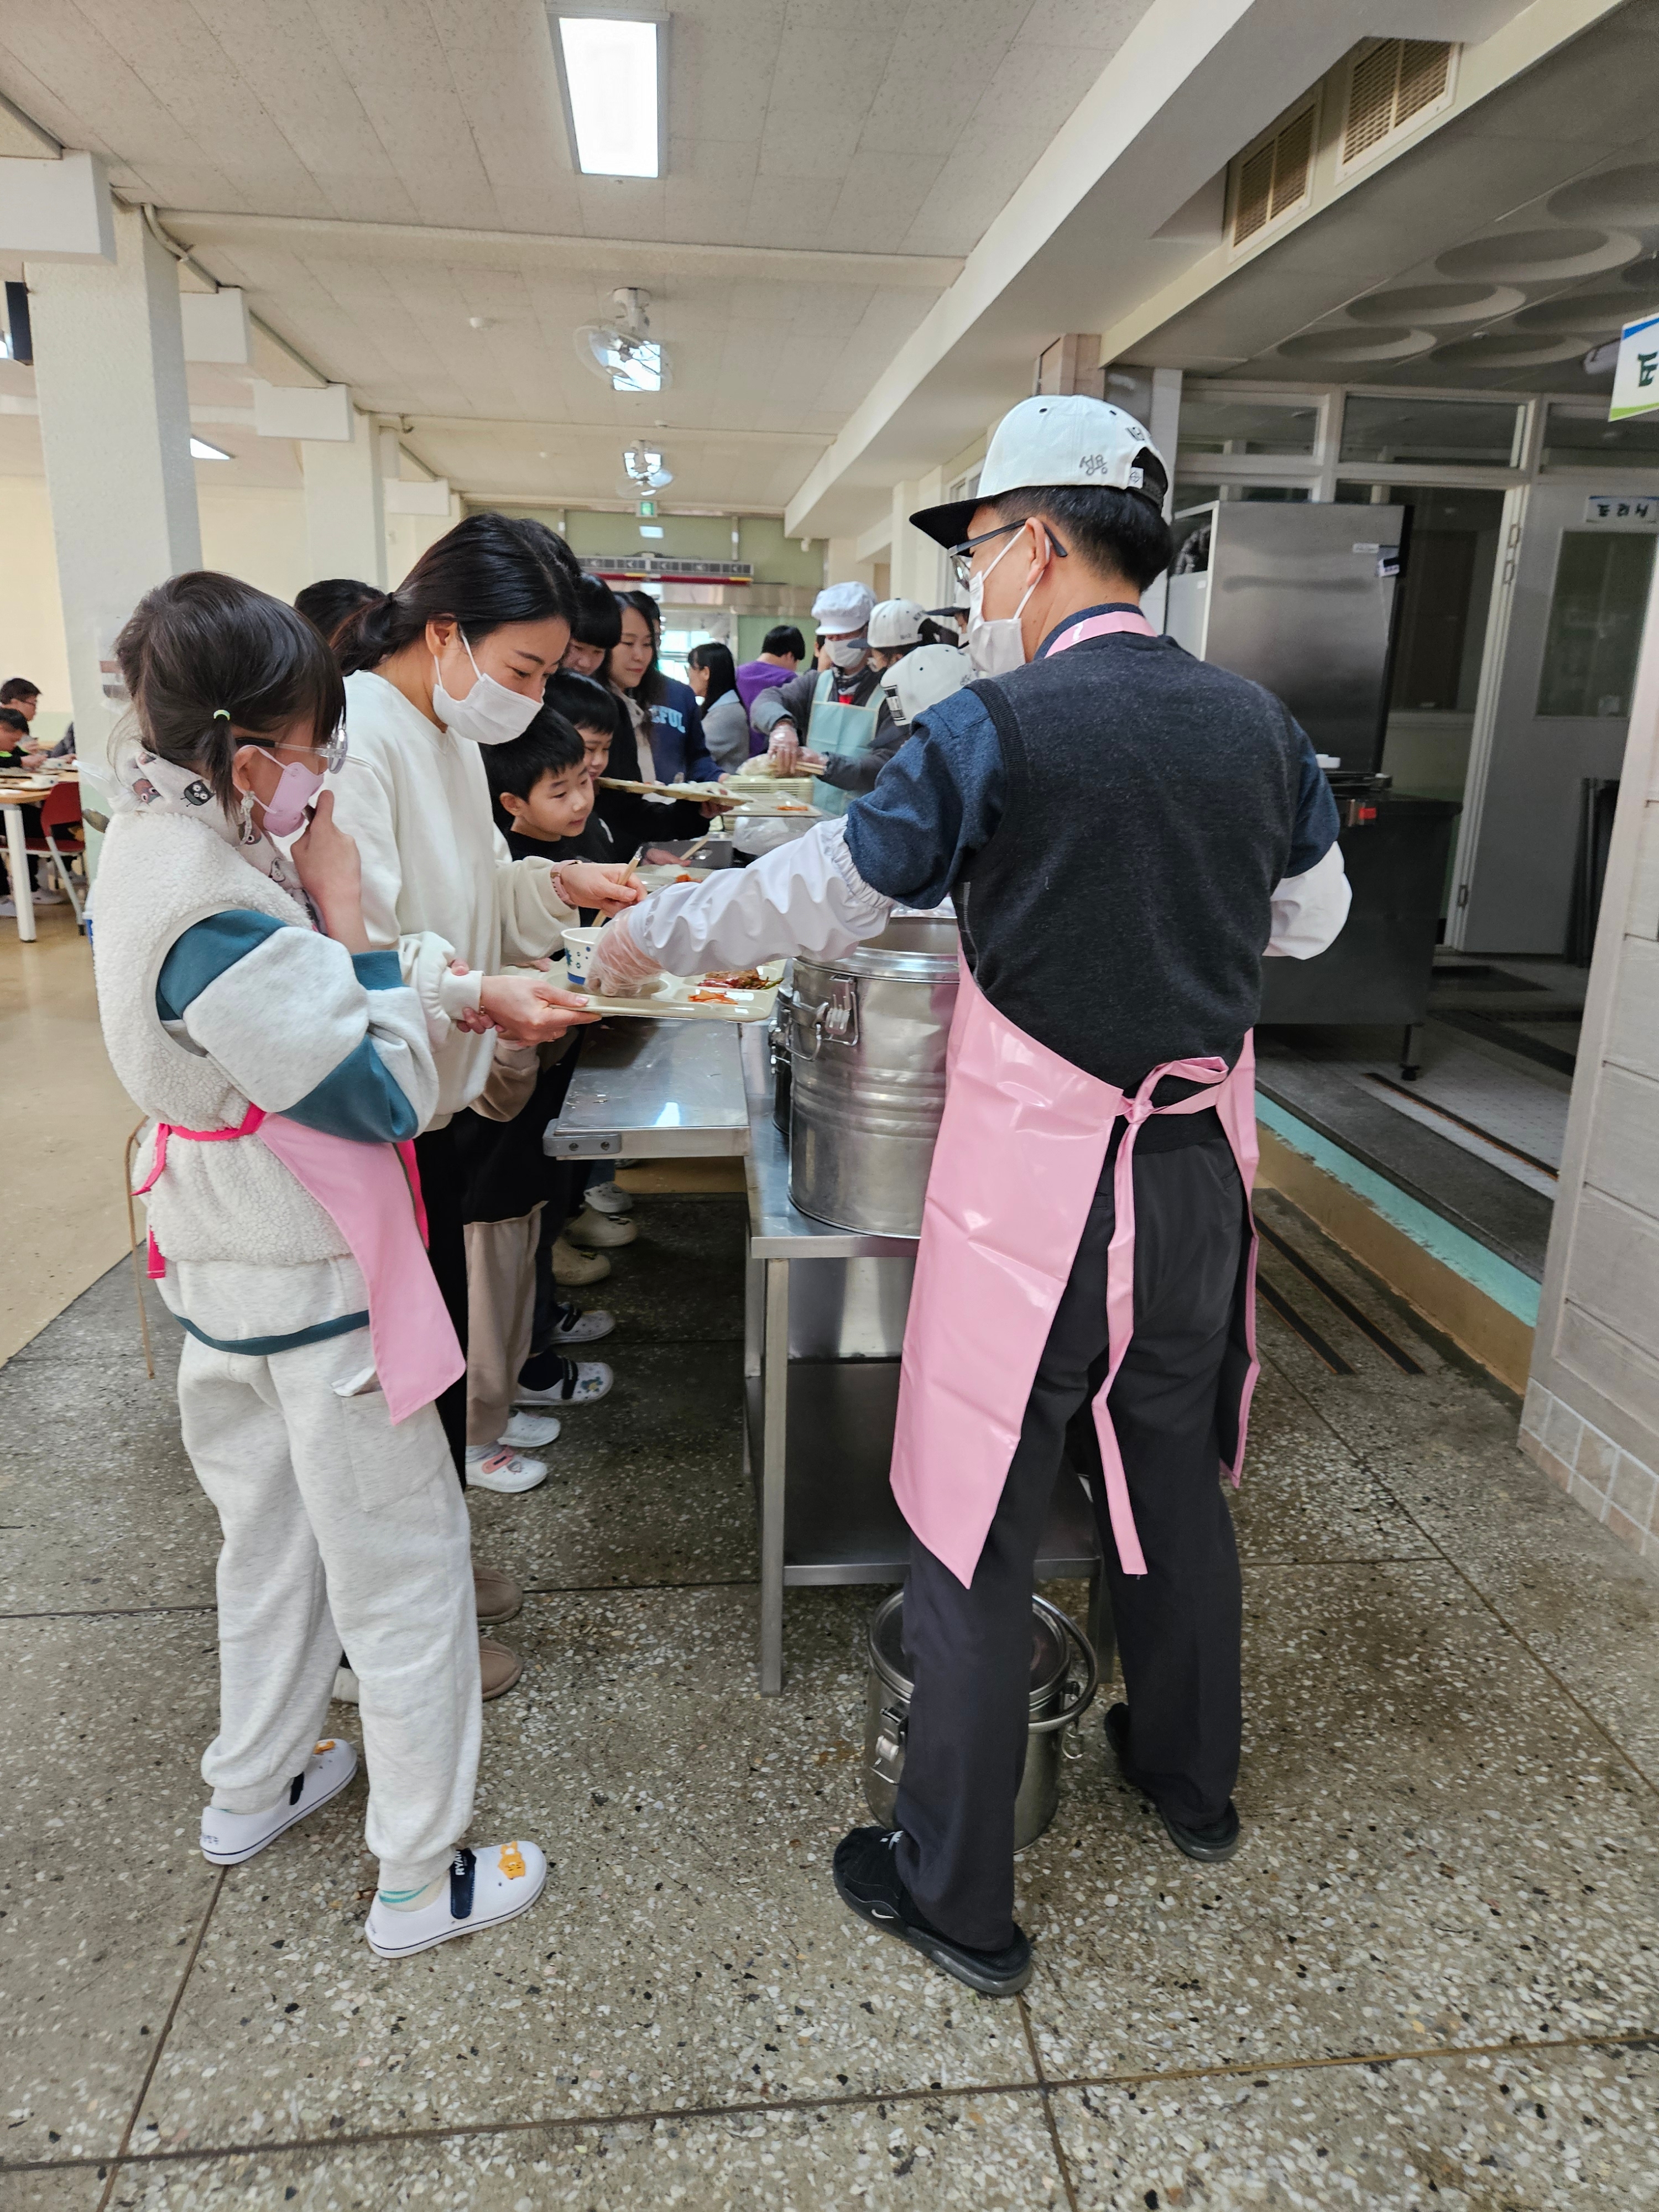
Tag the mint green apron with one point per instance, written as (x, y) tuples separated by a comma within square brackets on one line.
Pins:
[(833, 728)]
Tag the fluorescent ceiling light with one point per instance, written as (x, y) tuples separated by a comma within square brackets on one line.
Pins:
[(201, 450), (614, 88)]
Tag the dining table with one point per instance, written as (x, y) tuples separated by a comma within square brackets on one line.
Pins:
[(17, 791)]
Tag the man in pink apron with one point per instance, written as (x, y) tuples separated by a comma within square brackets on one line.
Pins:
[(1125, 832)]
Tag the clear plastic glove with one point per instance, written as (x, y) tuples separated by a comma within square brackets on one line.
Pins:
[(783, 749), (617, 966)]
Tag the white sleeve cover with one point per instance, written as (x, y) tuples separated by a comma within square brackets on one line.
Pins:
[(1308, 910), (805, 897), (424, 959), (283, 1018)]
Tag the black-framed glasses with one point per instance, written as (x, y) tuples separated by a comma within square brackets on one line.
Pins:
[(961, 557)]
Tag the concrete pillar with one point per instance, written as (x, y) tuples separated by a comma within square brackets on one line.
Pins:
[(1163, 422), (109, 365), (345, 506)]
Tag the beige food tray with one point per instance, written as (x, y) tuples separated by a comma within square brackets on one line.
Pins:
[(672, 1004), (697, 791)]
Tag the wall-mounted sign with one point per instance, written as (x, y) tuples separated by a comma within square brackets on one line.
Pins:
[(1636, 378), (1627, 510)]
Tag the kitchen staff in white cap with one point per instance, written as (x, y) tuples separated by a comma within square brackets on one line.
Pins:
[(836, 709), (1125, 832), (897, 629)]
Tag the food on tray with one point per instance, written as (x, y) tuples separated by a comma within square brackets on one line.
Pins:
[(703, 997), (735, 979)]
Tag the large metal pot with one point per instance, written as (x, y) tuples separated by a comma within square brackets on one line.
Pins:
[(868, 1034), (1061, 1695)]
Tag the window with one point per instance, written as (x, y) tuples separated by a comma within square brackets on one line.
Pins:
[(1580, 437), (1395, 86), (675, 645), (1212, 425), (1273, 177), (1595, 630), (1454, 432)]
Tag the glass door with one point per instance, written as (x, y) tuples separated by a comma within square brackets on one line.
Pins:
[(1560, 711)]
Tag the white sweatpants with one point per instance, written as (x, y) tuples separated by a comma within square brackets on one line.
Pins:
[(338, 1528)]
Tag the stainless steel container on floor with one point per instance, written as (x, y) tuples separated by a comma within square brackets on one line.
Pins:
[(1061, 1695), (868, 1044)]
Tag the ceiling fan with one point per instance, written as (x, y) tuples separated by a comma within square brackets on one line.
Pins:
[(624, 353)]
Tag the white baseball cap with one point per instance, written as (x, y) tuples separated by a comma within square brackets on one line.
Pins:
[(1066, 439), (896, 622), (843, 607), (924, 677)]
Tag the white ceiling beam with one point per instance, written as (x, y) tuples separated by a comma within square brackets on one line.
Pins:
[(618, 259), (1078, 241)]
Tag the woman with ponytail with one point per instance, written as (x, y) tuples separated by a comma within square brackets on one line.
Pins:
[(452, 661)]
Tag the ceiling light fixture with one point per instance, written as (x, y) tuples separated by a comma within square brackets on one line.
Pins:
[(201, 450), (611, 72)]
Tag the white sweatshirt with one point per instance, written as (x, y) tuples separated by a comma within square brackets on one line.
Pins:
[(437, 881), (808, 897)]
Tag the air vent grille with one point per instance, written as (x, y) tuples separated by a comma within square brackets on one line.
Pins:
[(1393, 86), (1274, 178)]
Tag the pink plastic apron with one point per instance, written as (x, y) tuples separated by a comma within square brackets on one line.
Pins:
[(372, 1193), (1021, 1147)]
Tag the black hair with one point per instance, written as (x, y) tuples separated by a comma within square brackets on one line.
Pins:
[(722, 672), (582, 702), (331, 603), (785, 638), (488, 570), (1120, 533), (599, 618), (10, 718), (16, 688), (652, 687), (210, 664), (548, 747)]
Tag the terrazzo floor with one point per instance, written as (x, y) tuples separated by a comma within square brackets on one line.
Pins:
[(1430, 1979)]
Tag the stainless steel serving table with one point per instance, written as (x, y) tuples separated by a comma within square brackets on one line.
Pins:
[(822, 1342), (654, 1090), (821, 1370)]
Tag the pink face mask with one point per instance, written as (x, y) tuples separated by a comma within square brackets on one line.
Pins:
[(285, 809)]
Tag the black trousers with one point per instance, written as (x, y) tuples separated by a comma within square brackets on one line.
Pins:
[(443, 1188), (1178, 1625)]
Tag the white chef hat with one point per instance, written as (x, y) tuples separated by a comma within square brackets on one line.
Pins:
[(843, 607)]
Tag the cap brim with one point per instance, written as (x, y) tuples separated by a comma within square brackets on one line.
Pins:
[(947, 526)]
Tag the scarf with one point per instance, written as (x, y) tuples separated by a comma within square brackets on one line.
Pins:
[(145, 783)]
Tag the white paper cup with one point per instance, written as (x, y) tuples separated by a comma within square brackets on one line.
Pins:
[(578, 952)]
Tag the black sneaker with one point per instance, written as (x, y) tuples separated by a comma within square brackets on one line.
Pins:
[(867, 1876), (1218, 1841)]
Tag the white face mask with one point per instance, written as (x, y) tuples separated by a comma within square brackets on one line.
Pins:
[(489, 714), (994, 647), (847, 653)]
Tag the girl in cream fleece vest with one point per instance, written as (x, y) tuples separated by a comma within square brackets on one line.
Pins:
[(285, 1067)]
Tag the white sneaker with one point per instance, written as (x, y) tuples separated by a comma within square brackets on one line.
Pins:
[(50, 898), (608, 1198), (579, 1328), (590, 1231), (227, 1838), (498, 1466), (527, 1430), (486, 1886), (589, 1381), (345, 1691)]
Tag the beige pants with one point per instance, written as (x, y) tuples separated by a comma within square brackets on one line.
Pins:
[(500, 1308)]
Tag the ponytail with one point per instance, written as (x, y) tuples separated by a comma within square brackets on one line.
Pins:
[(211, 664), (488, 570)]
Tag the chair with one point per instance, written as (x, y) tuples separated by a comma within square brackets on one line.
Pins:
[(61, 809)]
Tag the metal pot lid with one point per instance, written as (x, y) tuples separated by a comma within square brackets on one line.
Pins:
[(1050, 1651)]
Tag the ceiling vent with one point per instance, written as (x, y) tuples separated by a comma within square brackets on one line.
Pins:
[(1394, 86), (1273, 177)]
